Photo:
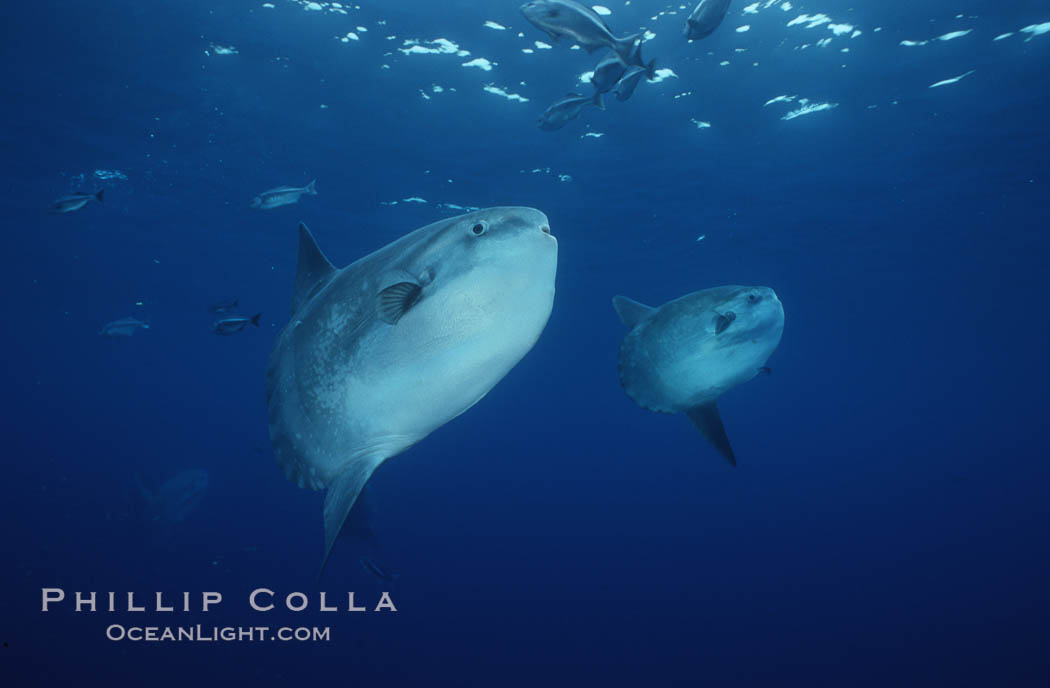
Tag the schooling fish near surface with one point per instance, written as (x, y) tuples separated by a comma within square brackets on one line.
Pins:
[(682, 356), (624, 88), (125, 327), (379, 354), (283, 195), (234, 324), (68, 204), (579, 23), (567, 109), (705, 18), (607, 73)]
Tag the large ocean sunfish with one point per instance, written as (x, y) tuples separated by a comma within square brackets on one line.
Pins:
[(379, 354), (682, 356)]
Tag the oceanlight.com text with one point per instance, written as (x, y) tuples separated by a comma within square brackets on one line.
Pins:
[(205, 634)]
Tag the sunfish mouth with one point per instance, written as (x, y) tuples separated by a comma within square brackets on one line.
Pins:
[(545, 229)]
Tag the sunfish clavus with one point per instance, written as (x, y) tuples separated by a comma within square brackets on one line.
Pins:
[(379, 354), (682, 356)]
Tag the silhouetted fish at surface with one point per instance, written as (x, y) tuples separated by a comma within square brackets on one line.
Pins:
[(629, 81), (567, 109), (283, 195), (705, 18), (569, 19), (607, 73), (76, 201), (235, 324), (177, 498), (125, 327), (223, 306)]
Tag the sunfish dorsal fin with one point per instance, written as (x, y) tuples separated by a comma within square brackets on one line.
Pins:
[(312, 271), (339, 499), (706, 419), (631, 312)]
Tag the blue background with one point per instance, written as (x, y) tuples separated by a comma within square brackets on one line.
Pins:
[(887, 524)]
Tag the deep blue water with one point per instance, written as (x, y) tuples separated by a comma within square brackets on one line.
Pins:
[(888, 520)]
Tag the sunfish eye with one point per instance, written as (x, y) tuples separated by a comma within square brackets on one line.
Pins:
[(479, 228), (753, 298)]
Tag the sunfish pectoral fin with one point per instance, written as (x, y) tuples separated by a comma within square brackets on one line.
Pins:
[(723, 321), (339, 499), (396, 300), (312, 270), (631, 312), (706, 419)]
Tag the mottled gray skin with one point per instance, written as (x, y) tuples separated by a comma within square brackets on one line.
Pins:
[(705, 18), (682, 356), (125, 327), (579, 23), (68, 204), (283, 195), (178, 497), (567, 109), (607, 73), (351, 382)]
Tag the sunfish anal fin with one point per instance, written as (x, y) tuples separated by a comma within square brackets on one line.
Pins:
[(396, 300), (631, 312), (706, 419), (339, 499), (312, 271)]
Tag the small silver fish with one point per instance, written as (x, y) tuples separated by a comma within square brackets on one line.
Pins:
[(607, 73), (68, 204), (283, 195), (635, 59), (567, 109), (624, 88), (125, 327), (570, 19), (223, 306), (707, 17), (235, 324)]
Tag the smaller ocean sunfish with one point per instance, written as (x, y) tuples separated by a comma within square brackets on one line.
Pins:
[(682, 356)]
